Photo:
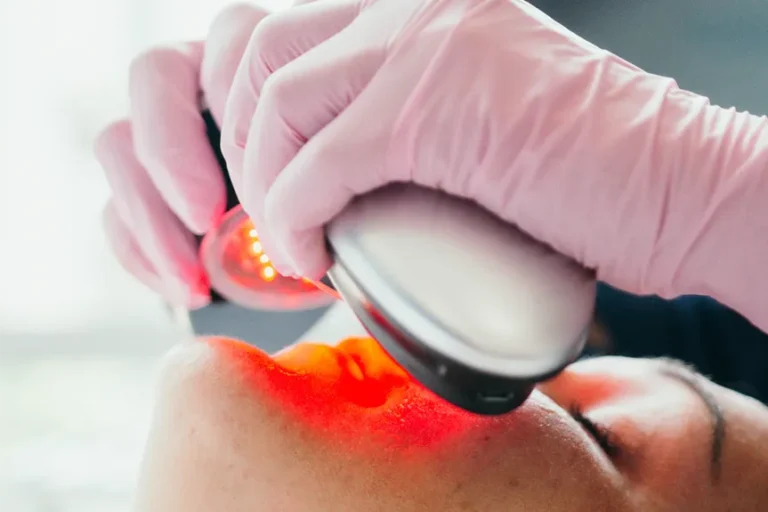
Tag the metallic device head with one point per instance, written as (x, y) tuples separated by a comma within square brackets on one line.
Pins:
[(473, 308)]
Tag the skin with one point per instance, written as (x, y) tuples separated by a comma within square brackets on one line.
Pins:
[(344, 429)]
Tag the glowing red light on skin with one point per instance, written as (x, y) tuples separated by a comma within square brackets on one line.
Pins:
[(351, 390)]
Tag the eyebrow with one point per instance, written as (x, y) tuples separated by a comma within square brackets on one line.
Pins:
[(687, 375)]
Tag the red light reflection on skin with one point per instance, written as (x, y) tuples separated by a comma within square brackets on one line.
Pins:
[(355, 389)]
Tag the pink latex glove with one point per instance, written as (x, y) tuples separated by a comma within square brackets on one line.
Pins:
[(165, 180), (653, 187)]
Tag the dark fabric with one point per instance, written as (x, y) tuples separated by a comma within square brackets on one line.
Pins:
[(720, 343)]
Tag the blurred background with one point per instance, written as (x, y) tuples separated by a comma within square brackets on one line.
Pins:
[(79, 339)]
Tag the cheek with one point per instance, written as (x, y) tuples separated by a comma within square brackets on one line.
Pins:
[(366, 416), (417, 456), (274, 440), (383, 410), (542, 460)]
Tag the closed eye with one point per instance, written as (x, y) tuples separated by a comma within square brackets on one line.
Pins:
[(602, 435)]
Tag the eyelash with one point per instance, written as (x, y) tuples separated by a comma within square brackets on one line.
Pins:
[(599, 433)]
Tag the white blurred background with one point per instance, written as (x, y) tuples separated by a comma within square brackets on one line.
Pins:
[(78, 337)]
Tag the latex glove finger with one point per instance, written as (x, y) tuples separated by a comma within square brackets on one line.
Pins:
[(162, 237), (170, 135), (325, 174), (278, 40), (225, 45), (130, 256), (127, 250), (337, 98)]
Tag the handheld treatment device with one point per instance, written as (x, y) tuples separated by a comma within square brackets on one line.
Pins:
[(471, 307), (249, 299)]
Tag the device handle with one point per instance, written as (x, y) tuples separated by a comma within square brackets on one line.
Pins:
[(214, 138)]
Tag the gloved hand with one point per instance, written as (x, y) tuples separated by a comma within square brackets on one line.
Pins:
[(165, 180), (650, 185)]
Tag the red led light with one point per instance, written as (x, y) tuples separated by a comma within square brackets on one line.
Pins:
[(241, 271), (247, 263)]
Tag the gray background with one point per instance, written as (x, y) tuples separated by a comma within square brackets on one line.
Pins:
[(718, 48)]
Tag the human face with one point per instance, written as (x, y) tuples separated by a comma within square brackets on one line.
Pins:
[(319, 428)]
